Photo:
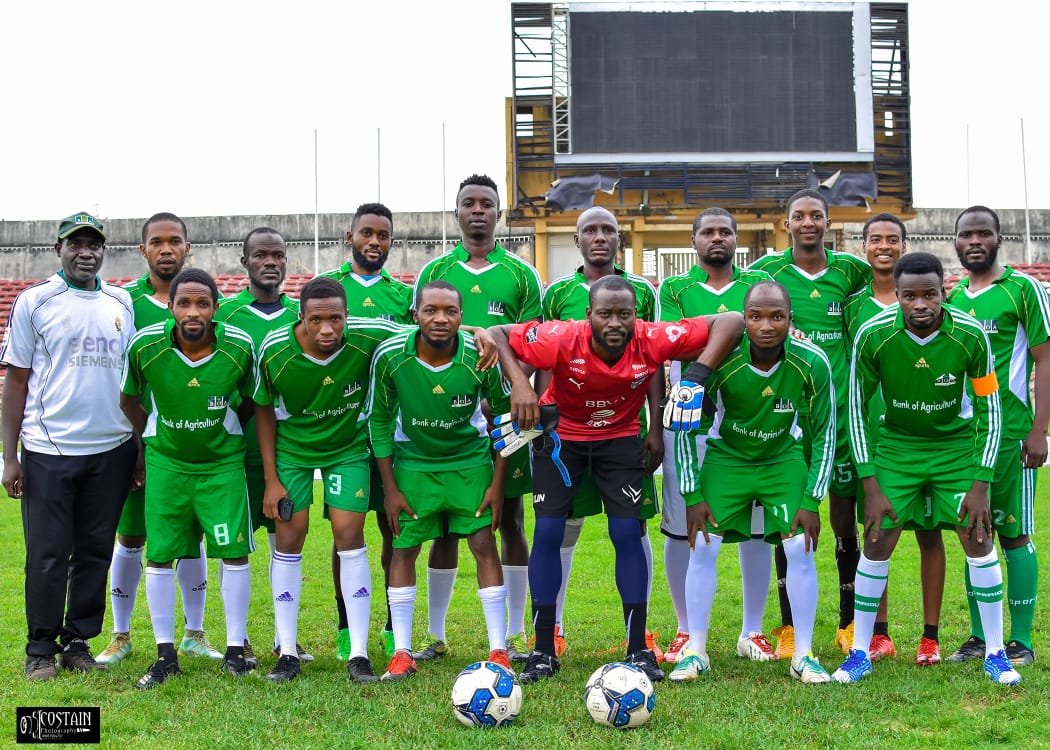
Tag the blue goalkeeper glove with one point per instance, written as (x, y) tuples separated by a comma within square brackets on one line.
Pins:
[(508, 437), (685, 403)]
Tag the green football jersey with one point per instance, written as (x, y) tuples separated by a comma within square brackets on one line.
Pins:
[(147, 308), (859, 309), (380, 296), (817, 302), (430, 419), (319, 403), (569, 297), (192, 417), (688, 295), (756, 418), (508, 290), (923, 383), (1014, 311), (240, 312)]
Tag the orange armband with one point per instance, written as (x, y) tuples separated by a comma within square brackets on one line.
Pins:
[(985, 385)]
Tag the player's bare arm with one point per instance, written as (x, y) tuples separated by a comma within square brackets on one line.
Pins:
[(394, 501), (132, 408), (16, 389), (724, 332), (266, 430), (524, 403), (1034, 448), (488, 355), (494, 494), (697, 517)]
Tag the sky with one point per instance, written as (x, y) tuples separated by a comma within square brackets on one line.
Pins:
[(210, 108)]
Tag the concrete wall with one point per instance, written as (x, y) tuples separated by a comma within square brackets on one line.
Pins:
[(27, 247)]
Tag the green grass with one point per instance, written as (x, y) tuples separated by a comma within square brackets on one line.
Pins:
[(741, 704)]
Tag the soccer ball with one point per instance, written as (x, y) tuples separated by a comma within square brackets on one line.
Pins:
[(486, 694), (620, 695)]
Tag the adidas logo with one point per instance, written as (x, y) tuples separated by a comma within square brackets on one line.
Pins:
[(722, 309), (193, 383), (327, 381), (921, 364), (518, 474), (359, 493), (973, 312), (1010, 518), (476, 289), (767, 391), (368, 302), (814, 294), (285, 597), (202, 586), (118, 593), (438, 389), (361, 593)]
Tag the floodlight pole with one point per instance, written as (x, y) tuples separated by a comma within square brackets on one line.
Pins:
[(444, 237), (1027, 224), (317, 219)]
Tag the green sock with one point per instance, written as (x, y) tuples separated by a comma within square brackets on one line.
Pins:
[(1022, 574), (976, 629)]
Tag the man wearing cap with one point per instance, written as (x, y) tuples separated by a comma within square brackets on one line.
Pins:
[(64, 350)]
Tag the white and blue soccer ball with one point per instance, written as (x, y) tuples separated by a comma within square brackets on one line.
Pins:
[(620, 695), (486, 694)]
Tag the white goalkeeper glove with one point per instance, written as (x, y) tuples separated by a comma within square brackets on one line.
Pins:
[(684, 407), (508, 437)]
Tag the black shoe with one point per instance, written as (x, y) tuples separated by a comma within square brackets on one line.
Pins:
[(249, 656), (40, 668), (1019, 654), (161, 670), (287, 668), (645, 660), (360, 670), (539, 666), (77, 657), (972, 649), (235, 665)]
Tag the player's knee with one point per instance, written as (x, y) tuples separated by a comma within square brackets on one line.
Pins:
[(1015, 542)]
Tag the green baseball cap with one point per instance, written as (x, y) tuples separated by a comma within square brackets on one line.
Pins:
[(78, 221)]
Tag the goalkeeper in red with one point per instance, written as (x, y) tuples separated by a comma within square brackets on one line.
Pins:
[(936, 451), (601, 368)]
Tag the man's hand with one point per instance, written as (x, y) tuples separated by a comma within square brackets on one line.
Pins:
[(272, 495), (395, 503), (1033, 450), (488, 354), (493, 499), (12, 480), (697, 517), (653, 450), (876, 507), (138, 473), (976, 510), (809, 522), (684, 407), (509, 435)]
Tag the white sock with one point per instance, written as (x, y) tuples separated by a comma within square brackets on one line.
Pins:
[(756, 566), (701, 582), (573, 527), (125, 572), (160, 598), (286, 582), (801, 591), (355, 580), (647, 548), (192, 574), (676, 565), (986, 577), (440, 582), (236, 595), (402, 600), (493, 604), (516, 581), (867, 590)]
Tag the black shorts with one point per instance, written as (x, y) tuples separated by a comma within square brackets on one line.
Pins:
[(616, 465)]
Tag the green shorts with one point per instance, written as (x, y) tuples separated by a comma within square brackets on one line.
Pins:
[(444, 502), (519, 474), (253, 473), (731, 491), (1012, 493), (133, 516), (925, 491), (345, 485), (180, 506)]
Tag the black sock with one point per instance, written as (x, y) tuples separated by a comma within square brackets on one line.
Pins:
[(930, 631), (340, 608), (543, 626), (881, 628), (781, 561), (847, 556), (634, 616), (166, 651)]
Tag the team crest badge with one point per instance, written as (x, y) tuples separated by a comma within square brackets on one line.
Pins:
[(215, 403)]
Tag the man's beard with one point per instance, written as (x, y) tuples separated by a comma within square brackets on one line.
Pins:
[(369, 265), (616, 350), (980, 266), (438, 343)]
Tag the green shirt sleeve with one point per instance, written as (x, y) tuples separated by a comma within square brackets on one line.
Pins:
[(987, 411), (821, 395), (382, 411), (670, 307), (863, 382)]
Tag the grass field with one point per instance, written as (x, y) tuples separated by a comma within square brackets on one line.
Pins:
[(739, 705)]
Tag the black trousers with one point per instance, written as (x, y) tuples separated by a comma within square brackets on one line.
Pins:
[(70, 509)]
